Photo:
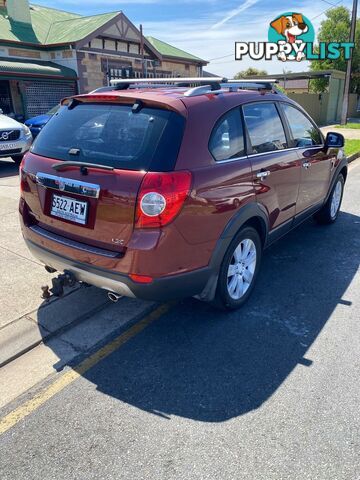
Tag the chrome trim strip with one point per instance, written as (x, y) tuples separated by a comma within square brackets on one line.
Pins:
[(68, 185), (267, 153), (273, 151), (73, 244), (230, 160)]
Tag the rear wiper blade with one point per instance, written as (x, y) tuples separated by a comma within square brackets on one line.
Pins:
[(62, 165)]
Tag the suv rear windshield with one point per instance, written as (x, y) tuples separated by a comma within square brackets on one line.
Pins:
[(113, 135)]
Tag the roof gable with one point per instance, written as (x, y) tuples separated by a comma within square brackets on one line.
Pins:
[(121, 26)]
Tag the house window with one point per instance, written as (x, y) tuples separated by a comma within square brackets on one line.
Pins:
[(187, 67), (103, 43)]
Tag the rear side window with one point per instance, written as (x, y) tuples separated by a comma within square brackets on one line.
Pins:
[(113, 135), (227, 138), (265, 128), (303, 131)]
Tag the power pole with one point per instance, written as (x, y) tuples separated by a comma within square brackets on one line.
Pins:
[(345, 105), (142, 53)]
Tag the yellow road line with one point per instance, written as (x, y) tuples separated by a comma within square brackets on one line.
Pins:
[(67, 378)]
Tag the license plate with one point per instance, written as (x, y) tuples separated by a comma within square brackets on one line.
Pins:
[(69, 209), (7, 146)]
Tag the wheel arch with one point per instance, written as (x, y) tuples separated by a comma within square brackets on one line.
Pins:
[(259, 225), (344, 172), (341, 169), (251, 214)]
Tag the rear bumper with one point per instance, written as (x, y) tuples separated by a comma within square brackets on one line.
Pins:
[(161, 289)]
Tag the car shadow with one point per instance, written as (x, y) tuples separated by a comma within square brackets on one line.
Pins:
[(8, 168), (202, 364)]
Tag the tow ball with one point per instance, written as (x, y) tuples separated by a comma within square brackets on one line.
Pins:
[(66, 279)]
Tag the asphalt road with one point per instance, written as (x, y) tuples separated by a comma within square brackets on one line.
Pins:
[(270, 392)]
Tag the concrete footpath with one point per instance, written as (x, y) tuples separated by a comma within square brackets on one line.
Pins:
[(26, 321)]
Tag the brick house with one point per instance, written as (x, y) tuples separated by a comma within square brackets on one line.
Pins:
[(47, 54)]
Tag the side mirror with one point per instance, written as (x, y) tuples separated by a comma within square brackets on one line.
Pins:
[(334, 140)]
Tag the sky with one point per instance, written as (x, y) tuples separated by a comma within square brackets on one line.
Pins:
[(209, 28)]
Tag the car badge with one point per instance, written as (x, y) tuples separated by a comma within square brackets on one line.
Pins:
[(6, 135)]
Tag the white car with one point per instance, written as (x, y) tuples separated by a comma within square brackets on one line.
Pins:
[(15, 138)]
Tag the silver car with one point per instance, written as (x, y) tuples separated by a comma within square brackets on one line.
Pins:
[(15, 138)]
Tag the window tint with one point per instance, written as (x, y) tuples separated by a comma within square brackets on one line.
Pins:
[(113, 135), (265, 128), (303, 131), (227, 139)]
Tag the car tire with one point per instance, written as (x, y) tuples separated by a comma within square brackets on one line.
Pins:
[(17, 159), (330, 211), (239, 270)]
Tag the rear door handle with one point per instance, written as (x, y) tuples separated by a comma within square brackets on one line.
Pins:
[(306, 164), (263, 174)]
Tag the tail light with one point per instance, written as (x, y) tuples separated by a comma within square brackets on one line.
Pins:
[(22, 176), (161, 197)]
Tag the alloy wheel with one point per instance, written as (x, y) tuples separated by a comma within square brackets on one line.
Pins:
[(336, 199), (241, 269)]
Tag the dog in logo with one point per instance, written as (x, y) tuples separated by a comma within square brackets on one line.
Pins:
[(290, 27)]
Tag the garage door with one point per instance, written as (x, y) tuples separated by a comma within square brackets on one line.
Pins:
[(40, 97)]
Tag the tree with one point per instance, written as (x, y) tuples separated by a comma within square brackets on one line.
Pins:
[(336, 28), (250, 72)]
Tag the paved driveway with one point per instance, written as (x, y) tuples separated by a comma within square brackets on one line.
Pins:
[(270, 392)]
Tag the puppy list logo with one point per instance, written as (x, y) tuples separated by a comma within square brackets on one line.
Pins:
[(291, 38)]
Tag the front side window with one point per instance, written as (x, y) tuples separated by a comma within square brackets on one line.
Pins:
[(304, 133), (265, 128), (227, 138)]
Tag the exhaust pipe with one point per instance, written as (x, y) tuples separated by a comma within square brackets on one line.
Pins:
[(114, 297)]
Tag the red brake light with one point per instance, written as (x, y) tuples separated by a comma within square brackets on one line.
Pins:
[(22, 175), (161, 197), (140, 278)]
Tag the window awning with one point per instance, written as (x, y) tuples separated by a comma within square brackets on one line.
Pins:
[(28, 69)]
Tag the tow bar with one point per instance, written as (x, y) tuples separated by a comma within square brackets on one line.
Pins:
[(66, 279)]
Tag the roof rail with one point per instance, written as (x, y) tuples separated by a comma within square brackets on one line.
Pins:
[(232, 86), (251, 84), (203, 90), (201, 85), (190, 80)]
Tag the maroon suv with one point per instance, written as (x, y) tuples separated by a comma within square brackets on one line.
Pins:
[(159, 193)]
